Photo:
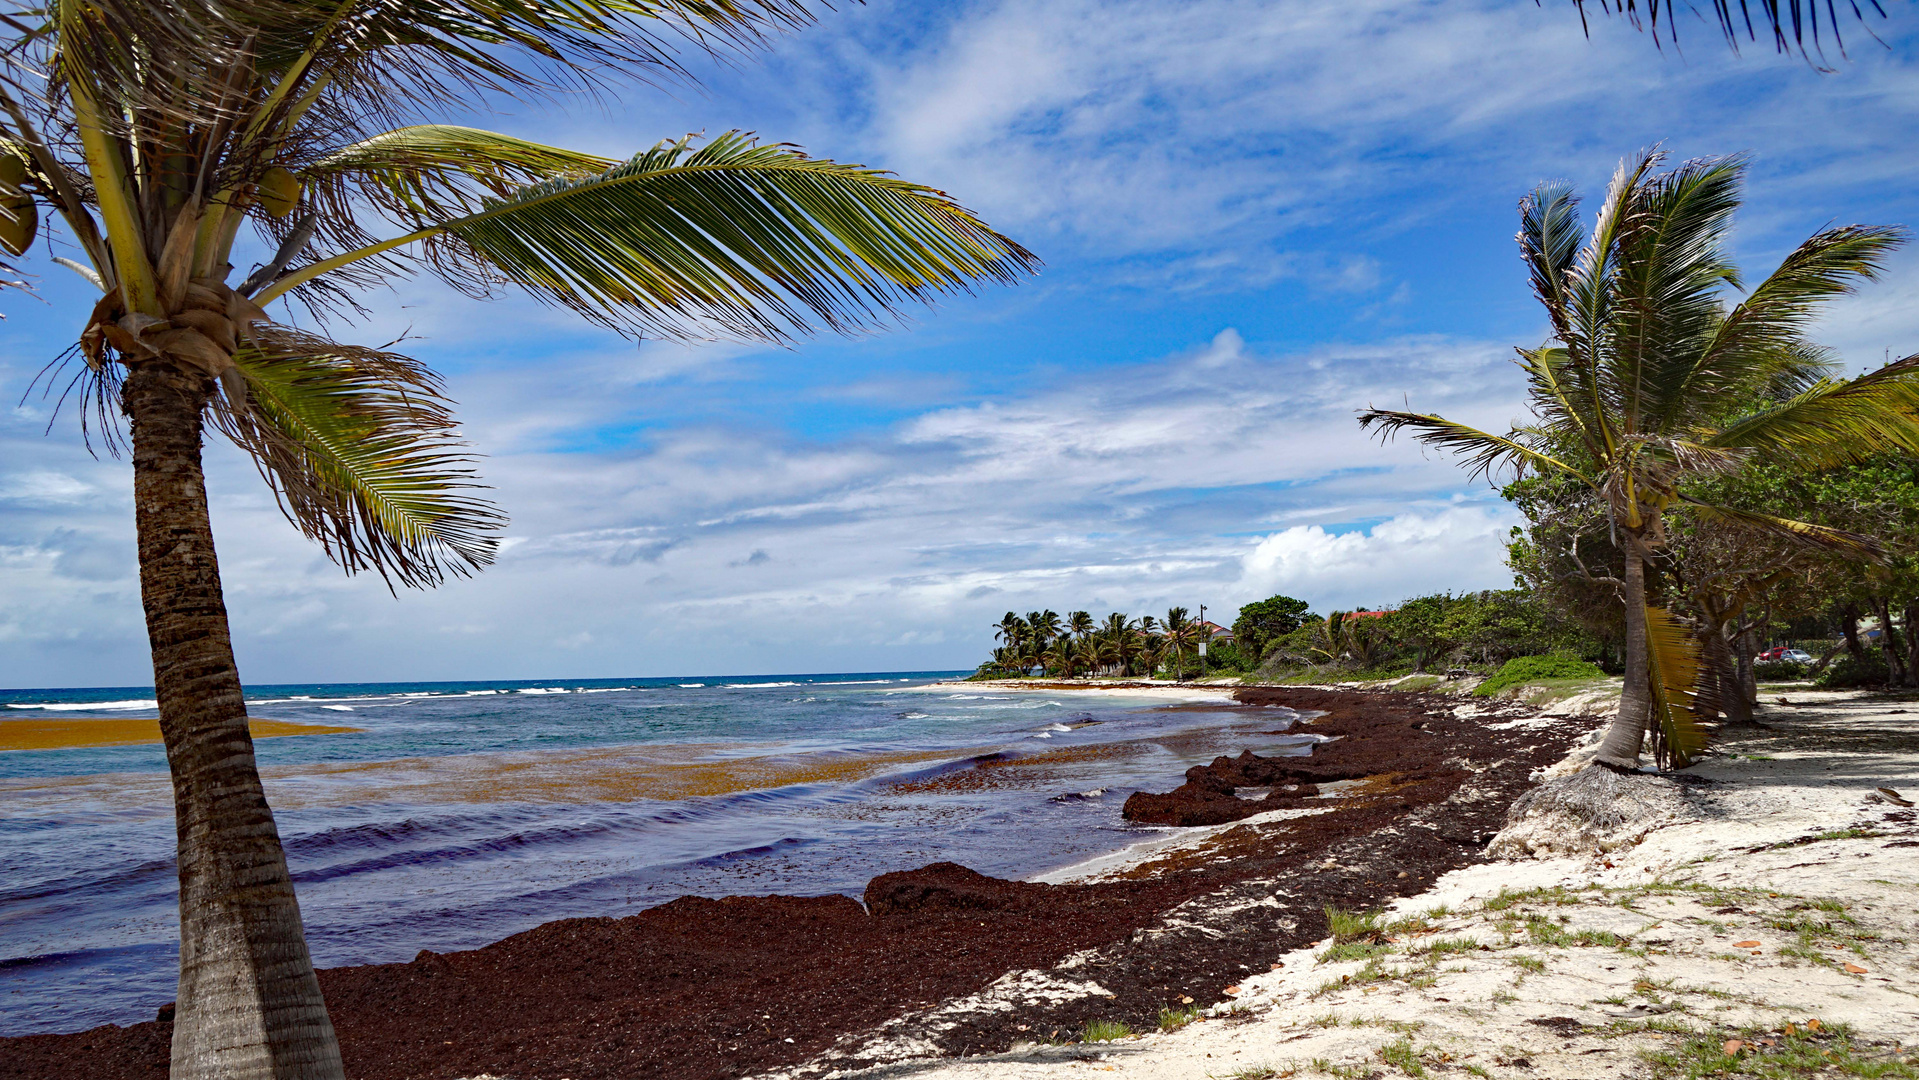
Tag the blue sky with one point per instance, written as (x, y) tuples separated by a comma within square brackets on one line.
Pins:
[(1255, 217)]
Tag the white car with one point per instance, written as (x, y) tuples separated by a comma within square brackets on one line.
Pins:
[(1796, 656)]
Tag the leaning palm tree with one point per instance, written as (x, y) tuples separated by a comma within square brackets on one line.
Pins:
[(1640, 393), (156, 132)]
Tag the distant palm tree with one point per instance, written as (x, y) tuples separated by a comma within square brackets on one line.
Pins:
[(1118, 633), (1181, 633), (1046, 624), (157, 131), (1641, 394), (1148, 651), (1061, 657), (1011, 629), (1080, 624)]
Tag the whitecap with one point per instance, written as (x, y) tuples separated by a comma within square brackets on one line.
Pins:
[(1056, 727), (913, 716), (691, 685), (542, 690), (752, 685), (338, 708)]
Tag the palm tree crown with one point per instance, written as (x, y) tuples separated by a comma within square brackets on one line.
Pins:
[(1651, 379)]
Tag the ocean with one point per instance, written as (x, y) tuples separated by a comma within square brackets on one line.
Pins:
[(456, 814)]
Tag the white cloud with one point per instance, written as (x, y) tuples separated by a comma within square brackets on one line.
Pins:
[(1461, 548)]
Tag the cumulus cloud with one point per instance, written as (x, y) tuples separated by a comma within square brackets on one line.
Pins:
[(1462, 547)]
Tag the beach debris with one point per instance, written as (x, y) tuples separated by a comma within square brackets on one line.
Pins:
[(1732, 1047), (1856, 969), (1234, 990), (1894, 797), (1745, 944)]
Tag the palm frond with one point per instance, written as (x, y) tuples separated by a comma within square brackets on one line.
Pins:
[(1677, 667), (1549, 240), (428, 172), (732, 237), (1669, 269), (1835, 423), (1761, 341), (1483, 451), (362, 453), (1788, 22), (1805, 534)]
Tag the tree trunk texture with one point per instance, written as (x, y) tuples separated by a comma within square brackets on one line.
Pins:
[(249, 1006), (1620, 750), (1849, 625), (1746, 651), (1912, 642), (1719, 657), (1895, 664)]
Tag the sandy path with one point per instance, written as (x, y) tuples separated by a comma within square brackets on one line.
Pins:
[(1782, 890)]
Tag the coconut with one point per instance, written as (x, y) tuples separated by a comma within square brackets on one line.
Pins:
[(279, 191)]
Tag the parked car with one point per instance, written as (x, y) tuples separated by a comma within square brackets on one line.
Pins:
[(1796, 656), (1777, 652)]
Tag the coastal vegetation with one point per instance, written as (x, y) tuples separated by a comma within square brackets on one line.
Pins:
[(155, 133), (1653, 391)]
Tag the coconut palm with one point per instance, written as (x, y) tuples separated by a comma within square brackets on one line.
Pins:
[(1046, 624), (156, 132), (1080, 624), (1011, 629), (1638, 395), (1180, 634)]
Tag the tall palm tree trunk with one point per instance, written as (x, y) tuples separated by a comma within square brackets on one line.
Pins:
[(249, 1005), (1620, 749)]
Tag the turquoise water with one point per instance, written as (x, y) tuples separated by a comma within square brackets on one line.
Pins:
[(464, 812)]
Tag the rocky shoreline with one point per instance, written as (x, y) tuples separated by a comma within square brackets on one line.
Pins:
[(939, 960)]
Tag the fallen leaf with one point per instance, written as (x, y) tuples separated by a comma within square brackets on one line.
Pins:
[(1733, 1046), (1235, 989), (1277, 966), (1812, 1025), (1185, 999), (1855, 969), (1745, 944)]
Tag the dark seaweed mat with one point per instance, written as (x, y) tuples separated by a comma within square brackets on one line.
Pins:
[(701, 988)]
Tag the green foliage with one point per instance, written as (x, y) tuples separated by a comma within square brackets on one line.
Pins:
[(1789, 1051), (1523, 670), (1262, 623), (1174, 1019), (1849, 670), (1779, 671), (1105, 1031)]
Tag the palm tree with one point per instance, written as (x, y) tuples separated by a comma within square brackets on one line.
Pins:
[(1060, 658), (1638, 395), (1080, 624), (1180, 633), (1047, 624), (1120, 633), (156, 131), (1011, 629)]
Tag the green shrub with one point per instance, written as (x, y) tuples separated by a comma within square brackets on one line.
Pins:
[(1779, 671), (1849, 670), (1531, 669), (1105, 1031)]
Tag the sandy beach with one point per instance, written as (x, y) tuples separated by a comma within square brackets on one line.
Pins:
[(1765, 917)]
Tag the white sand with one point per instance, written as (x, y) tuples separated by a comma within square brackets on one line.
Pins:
[(1791, 849)]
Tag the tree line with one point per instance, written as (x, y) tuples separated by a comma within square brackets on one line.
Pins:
[(1077, 645)]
